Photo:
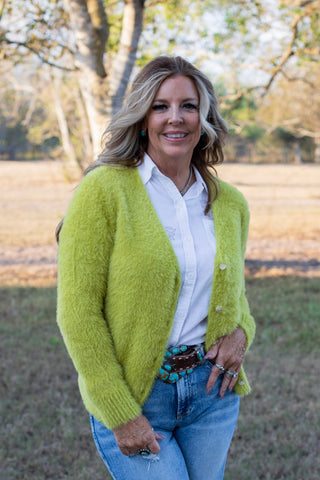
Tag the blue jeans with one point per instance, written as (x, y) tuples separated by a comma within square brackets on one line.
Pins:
[(198, 429)]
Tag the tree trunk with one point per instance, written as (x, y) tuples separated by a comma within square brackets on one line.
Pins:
[(123, 64), (317, 149), (72, 166), (297, 152), (85, 131), (89, 23)]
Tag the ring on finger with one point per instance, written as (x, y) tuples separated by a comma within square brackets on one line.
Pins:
[(220, 367), (144, 452), (231, 373)]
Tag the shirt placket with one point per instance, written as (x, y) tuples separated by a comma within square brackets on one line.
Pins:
[(190, 272)]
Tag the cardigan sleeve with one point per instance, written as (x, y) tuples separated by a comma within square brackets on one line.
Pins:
[(84, 251), (247, 322)]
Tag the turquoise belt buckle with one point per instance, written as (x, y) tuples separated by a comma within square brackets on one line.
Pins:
[(165, 372)]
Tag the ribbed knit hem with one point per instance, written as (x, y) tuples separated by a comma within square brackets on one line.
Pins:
[(118, 406)]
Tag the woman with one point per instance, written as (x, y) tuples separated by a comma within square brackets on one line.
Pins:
[(151, 296)]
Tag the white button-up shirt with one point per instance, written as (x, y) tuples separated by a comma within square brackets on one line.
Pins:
[(192, 236)]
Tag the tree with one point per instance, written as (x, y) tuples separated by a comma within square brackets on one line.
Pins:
[(26, 123), (72, 35), (96, 42), (103, 89), (294, 106)]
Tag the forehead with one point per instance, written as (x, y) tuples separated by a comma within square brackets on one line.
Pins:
[(179, 86)]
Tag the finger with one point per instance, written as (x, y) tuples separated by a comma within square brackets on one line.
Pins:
[(232, 383), (215, 372), (150, 439), (232, 379), (154, 446), (213, 351), (125, 451), (225, 384)]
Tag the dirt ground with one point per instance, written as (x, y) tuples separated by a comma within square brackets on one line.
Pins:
[(284, 233)]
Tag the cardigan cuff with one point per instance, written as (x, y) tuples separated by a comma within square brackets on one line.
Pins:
[(114, 408)]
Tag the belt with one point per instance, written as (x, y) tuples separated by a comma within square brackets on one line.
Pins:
[(179, 361)]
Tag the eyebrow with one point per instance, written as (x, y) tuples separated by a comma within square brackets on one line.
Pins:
[(192, 99)]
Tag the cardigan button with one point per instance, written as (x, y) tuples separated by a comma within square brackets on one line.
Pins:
[(219, 308), (223, 266)]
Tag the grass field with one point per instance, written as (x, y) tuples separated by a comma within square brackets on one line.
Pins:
[(45, 431)]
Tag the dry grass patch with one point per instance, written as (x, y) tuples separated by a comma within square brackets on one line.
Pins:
[(284, 232)]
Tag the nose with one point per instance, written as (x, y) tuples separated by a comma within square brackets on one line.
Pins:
[(175, 115)]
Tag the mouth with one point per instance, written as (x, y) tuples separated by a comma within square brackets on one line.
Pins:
[(175, 135)]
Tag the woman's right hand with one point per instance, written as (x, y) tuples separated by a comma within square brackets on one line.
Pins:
[(135, 435)]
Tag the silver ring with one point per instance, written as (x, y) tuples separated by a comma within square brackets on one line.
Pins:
[(144, 452), (220, 367), (233, 374)]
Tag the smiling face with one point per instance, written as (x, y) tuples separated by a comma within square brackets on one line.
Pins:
[(173, 121)]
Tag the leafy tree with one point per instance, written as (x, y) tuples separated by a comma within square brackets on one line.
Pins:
[(72, 35), (96, 43), (293, 106)]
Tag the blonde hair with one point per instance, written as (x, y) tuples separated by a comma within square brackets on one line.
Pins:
[(123, 143)]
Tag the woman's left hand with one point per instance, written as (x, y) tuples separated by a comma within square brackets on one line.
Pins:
[(227, 354)]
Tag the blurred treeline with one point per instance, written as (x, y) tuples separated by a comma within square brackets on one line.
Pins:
[(66, 64)]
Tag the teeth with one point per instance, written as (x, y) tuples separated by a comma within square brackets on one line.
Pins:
[(175, 135)]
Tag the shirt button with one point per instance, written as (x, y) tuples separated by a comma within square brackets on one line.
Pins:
[(222, 266), (219, 309)]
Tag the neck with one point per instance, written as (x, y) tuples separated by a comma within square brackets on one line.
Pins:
[(178, 170), (186, 187)]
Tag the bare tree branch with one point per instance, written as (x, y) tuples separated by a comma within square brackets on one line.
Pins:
[(298, 79), (287, 53), (35, 51)]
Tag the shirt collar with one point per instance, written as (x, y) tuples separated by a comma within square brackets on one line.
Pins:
[(200, 183), (148, 168)]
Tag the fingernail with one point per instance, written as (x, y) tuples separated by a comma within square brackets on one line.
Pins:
[(208, 355)]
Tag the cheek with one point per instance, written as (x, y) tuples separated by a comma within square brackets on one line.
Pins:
[(197, 128), (153, 122), (195, 121)]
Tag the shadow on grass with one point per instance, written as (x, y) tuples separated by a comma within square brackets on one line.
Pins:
[(45, 429)]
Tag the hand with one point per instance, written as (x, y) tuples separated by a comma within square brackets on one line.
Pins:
[(135, 435), (227, 352)]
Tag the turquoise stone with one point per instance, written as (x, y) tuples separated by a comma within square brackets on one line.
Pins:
[(163, 374), (174, 377), (175, 351), (167, 367), (184, 348)]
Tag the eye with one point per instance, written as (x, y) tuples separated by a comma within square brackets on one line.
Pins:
[(159, 107), (190, 106)]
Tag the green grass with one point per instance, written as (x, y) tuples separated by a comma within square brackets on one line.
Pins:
[(45, 430)]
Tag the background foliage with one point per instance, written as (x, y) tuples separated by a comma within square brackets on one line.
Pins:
[(262, 56)]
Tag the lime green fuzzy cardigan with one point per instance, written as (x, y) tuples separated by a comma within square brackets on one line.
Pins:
[(119, 282)]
